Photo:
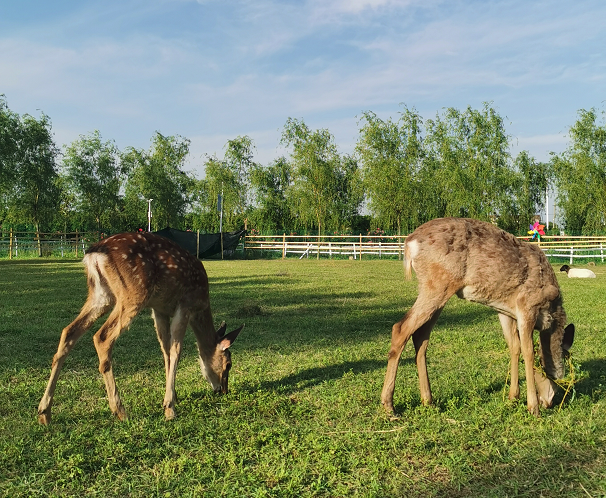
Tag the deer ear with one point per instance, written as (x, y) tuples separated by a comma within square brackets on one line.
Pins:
[(221, 330), (228, 339), (568, 337)]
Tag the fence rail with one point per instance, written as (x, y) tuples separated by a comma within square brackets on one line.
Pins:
[(358, 246), (30, 244)]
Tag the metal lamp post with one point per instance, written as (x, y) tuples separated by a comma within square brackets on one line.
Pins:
[(149, 214)]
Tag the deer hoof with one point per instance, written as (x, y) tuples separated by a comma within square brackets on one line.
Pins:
[(169, 413), (44, 418), (121, 414), (388, 406)]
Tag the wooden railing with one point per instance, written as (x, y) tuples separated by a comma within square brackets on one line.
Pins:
[(358, 246)]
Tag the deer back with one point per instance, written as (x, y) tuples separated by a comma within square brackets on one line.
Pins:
[(148, 270), (484, 263)]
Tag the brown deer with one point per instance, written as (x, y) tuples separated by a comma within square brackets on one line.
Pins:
[(132, 271), (481, 263)]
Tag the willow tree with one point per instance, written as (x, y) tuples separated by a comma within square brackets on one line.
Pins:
[(95, 176), (158, 174), (269, 185), (227, 178), (580, 174), (32, 195), (391, 154), (323, 192), (469, 155)]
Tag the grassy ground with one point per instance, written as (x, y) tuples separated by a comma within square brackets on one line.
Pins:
[(303, 416)]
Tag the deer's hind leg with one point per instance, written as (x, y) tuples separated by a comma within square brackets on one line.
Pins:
[(104, 340), (417, 323), (96, 305)]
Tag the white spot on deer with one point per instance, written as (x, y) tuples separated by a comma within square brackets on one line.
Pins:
[(124, 256)]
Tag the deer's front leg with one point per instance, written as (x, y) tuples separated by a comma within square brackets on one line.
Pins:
[(527, 347), (178, 326), (510, 331)]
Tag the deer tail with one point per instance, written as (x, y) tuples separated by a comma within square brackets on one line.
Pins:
[(407, 262)]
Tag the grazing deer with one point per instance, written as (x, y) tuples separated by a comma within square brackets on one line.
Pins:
[(132, 271), (481, 263)]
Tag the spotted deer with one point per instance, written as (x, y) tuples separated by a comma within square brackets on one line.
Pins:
[(481, 263), (132, 271)]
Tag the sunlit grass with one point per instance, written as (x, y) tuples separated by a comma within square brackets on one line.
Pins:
[(303, 416)]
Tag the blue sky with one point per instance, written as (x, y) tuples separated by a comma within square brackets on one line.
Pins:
[(211, 70)]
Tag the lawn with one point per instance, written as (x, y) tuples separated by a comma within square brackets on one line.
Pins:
[(303, 416)]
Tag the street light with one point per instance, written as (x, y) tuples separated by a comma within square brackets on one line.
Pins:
[(149, 214)]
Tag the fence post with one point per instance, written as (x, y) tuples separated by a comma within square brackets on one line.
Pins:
[(284, 245), (360, 247), (602, 251), (571, 254), (76, 242), (10, 245)]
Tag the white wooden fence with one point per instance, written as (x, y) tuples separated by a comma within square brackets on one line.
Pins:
[(358, 246)]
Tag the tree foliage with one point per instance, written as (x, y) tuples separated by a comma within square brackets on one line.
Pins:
[(95, 176), (158, 174), (391, 154), (581, 175), (403, 173), (28, 170), (470, 150), (324, 189), (269, 185)]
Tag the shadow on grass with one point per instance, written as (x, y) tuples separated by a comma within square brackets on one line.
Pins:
[(594, 384), (558, 472)]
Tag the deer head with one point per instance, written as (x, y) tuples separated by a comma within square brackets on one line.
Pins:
[(216, 367)]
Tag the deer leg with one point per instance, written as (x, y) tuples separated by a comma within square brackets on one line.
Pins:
[(178, 326), (104, 340), (510, 331), (420, 340), (527, 348), (422, 312), (162, 325), (90, 312)]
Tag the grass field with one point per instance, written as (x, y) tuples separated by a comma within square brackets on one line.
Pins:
[(303, 417)]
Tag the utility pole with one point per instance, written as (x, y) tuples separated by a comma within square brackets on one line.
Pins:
[(220, 208)]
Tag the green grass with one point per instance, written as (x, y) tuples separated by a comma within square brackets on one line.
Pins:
[(303, 417)]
